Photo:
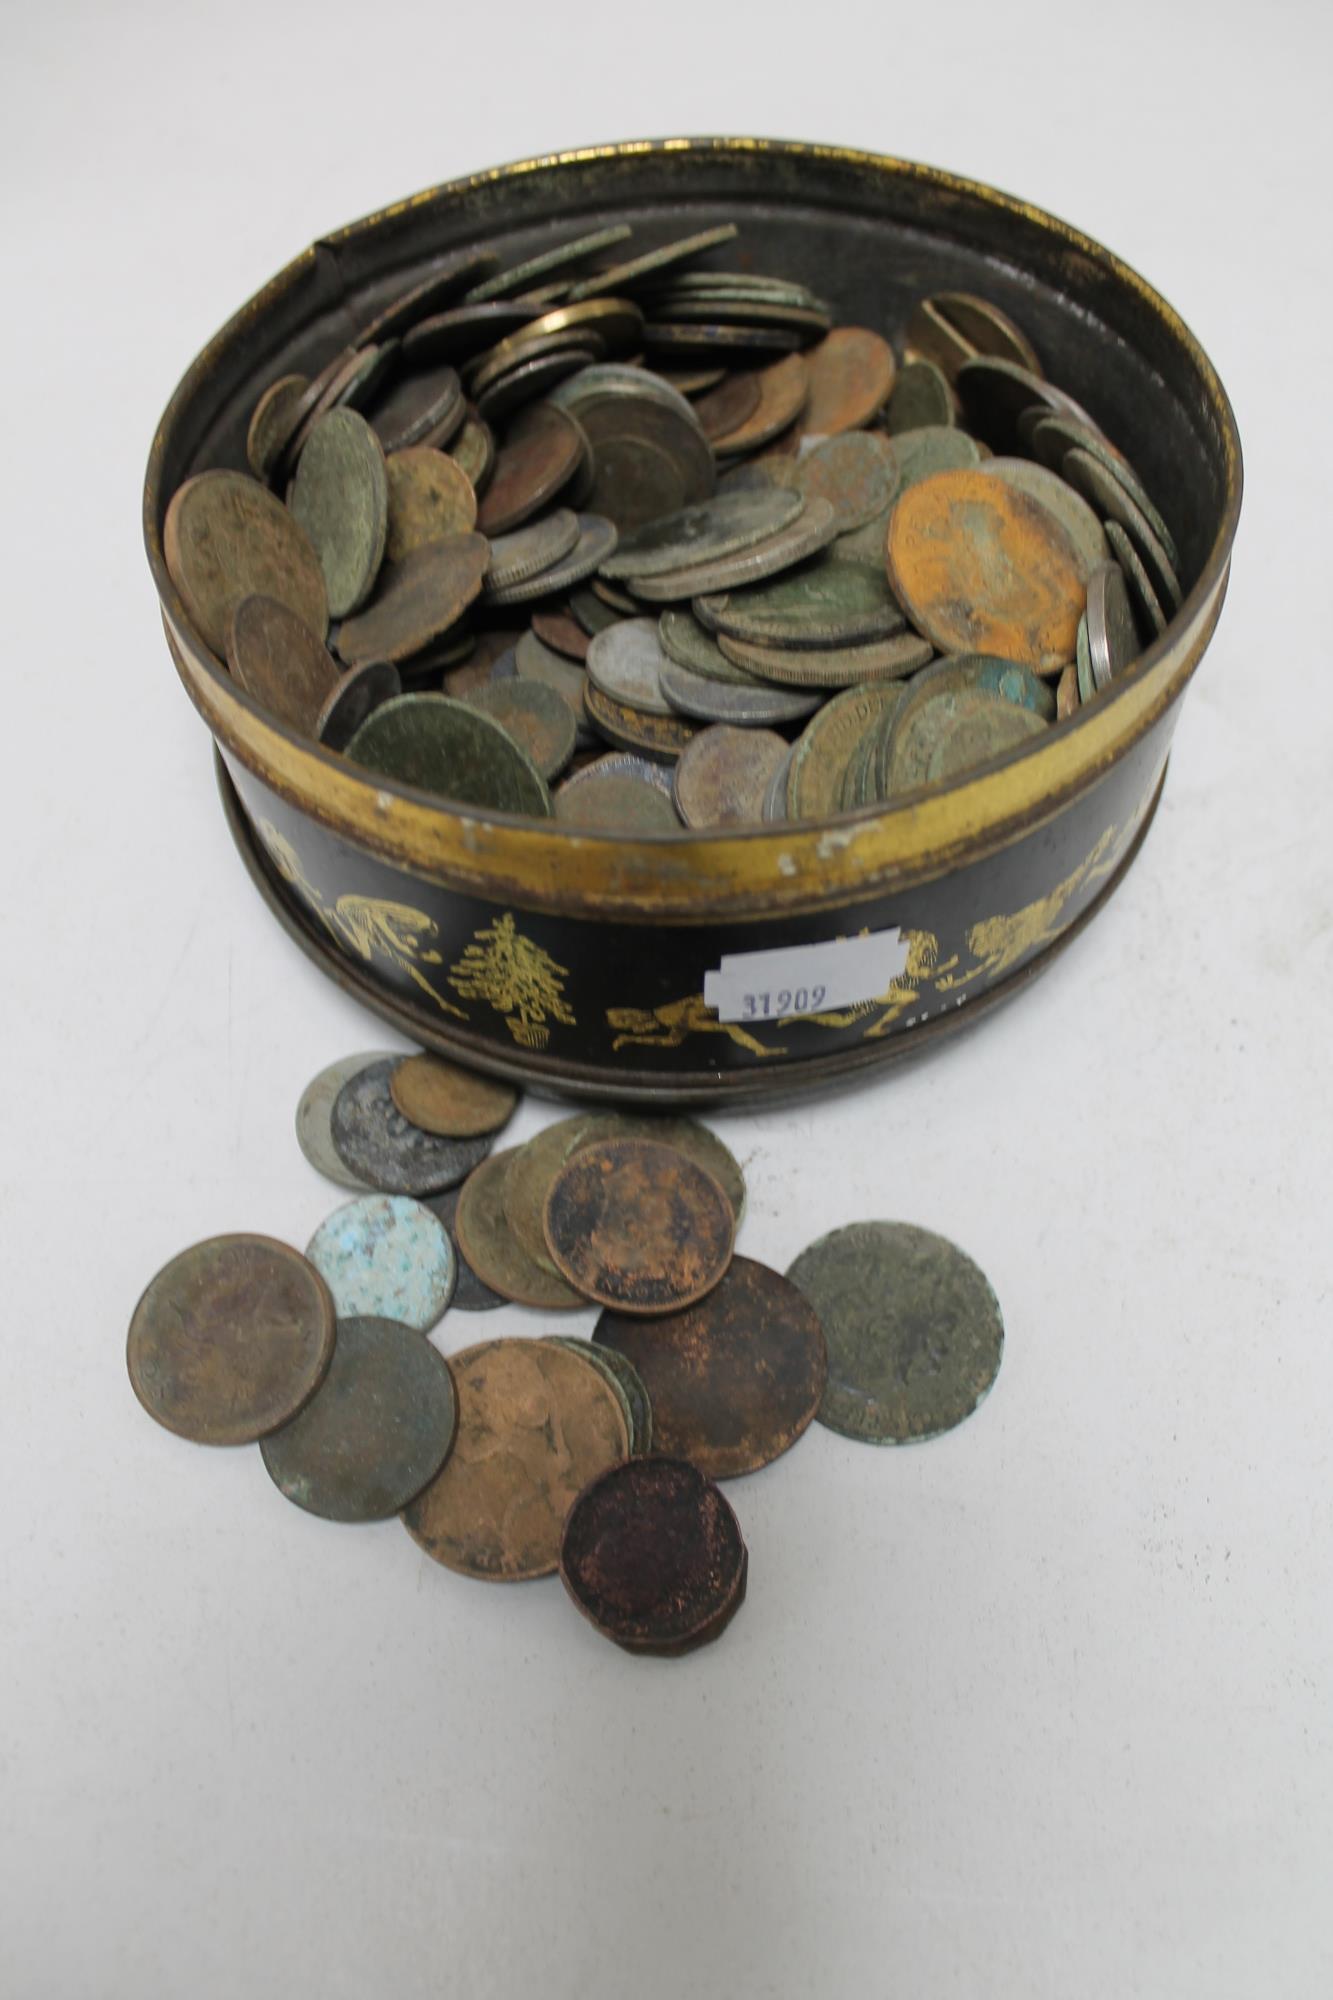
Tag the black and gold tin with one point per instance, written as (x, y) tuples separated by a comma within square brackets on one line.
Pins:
[(579, 959)]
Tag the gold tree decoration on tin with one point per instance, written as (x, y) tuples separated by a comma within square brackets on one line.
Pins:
[(518, 978)]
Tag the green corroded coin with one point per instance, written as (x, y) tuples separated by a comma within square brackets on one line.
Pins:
[(613, 282), (446, 747), (692, 646), (833, 666), (921, 399), (540, 721), (987, 672), (826, 603), (858, 784), (1058, 497), (1054, 437), (810, 532), (341, 498), (1087, 686), (1110, 496), (856, 472), (941, 731), (865, 544), (591, 613), (1141, 590), (913, 1329), (747, 703), (521, 277), (822, 753), (1113, 640), (597, 1359), (619, 793), (377, 1429), (934, 448), (704, 533)]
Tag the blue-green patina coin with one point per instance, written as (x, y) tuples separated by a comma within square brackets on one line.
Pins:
[(385, 1257), (914, 1331), (375, 1432)]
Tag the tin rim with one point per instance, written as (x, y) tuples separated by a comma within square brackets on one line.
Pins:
[(688, 876)]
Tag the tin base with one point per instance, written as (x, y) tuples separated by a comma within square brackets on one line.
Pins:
[(555, 1078)]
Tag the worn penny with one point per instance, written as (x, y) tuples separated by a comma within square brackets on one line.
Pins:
[(377, 1429), (421, 405), (491, 1246), (914, 1331), (355, 695), (430, 496), (733, 1380), (730, 404), (561, 631), (417, 599), (471, 1294), (276, 657), (724, 774), (540, 454), (449, 1101), (921, 396), (851, 376), (856, 472), (230, 1339), (539, 719), (783, 389), (272, 424), (636, 1225), (653, 1556), (1070, 509), (535, 1425), (227, 538), (619, 792)]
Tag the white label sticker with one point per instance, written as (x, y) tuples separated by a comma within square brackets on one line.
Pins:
[(805, 978)]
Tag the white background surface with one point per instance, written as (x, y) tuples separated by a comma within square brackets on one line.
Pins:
[(1040, 1709)]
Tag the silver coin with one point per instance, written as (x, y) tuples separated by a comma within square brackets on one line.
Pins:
[(626, 662), (1141, 587), (703, 533), (693, 647), (316, 1109), (597, 538), (775, 798), (812, 530), (531, 549), (615, 378), (373, 1139), (1092, 478), (748, 705), (1113, 639)]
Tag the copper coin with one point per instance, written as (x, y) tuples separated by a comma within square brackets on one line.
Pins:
[(526, 381), (538, 456), (723, 776), (488, 1241), (415, 406), (472, 449), (734, 1380), (637, 1225), (855, 472), (226, 538), (519, 277), (452, 1102), (462, 331), (536, 661), (529, 344), (231, 1339), (358, 373), (562, 632), (1070, 509), (649, 459), (996, 394), (981, 568), (272, 424), (538, 718), (429, 497), (1066, 694), (660, 736), (783, 389), (653, 1556), (417, 599), (1152, 614), (377, 1429), (535, 1425), (851, 379), (470, 1294), (357, 694), (1114, 502), (730, 405), (275, 657)]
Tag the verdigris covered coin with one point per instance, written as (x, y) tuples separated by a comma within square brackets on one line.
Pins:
[(340, 496), (230, 1339), (825, 604), (914, 1331), (374, 1140), (450, 748), (377, 1429), (387, 1257)]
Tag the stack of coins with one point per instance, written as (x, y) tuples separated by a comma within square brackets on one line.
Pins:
[(626, 537), (513, 1458)]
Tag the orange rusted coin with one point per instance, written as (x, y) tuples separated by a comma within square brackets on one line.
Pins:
[(637, 1226), (981, 568), (852, 372), (733, 1380), (536, 1424), (454, 1103), (542, 451)]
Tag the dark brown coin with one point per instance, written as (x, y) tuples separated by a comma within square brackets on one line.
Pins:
[(636, 1225), (1152, 615), (995, 394), (452, 1102), (462, 331), (377, 1429), (783, 389), (921, 398), (358, 374), (470, 1293), (535, 1425), (653, 1556), (488, 1241), (275, 657), (430, 496), (711, 340), (539, 719), (650, 459), (272, 424), (384, 1149), (851, 375), (526, 381), (914, 1331), (417, 407), (539, 455), (1113, 501), (734, 1380), (659, 736), (955, 327), (1066, 694), (472, 449), (226, 538), (561, 632), (449, 280), (723, 776), (340, 496), (357, 694), (417, 599), (731, 404), (231, 1339)]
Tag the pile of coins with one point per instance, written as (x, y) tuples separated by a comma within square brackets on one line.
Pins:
[(513, 1458), (781, 571)]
